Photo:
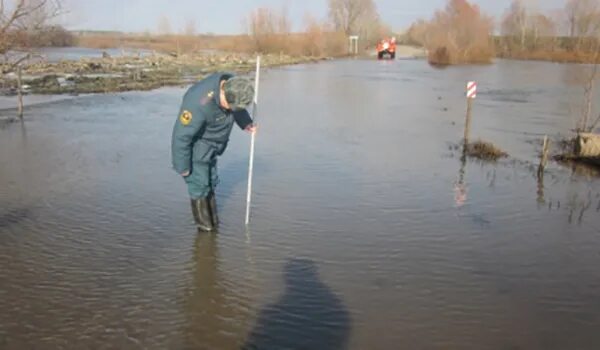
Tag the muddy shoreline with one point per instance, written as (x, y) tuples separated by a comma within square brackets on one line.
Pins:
[(132, 73)]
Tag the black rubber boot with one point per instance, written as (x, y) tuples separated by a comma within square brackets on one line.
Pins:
[(201, 211), (212, 200)]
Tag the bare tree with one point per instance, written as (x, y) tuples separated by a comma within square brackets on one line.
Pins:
[(589, 86), (17, 20), (190, 27), (515, 22), (24, 16), (371, 29), (571, 13), (350, 16), (526, 27), (583, 18), (459, 34), (541, 27), (164, 26), (559, 18), (284, 25), (269, 29), (417, 33), (314, 40)]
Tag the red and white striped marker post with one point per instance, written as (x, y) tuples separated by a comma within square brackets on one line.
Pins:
[(471, 89), (471, 95)]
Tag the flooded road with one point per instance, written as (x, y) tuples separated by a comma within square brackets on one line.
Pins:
[(367, 232)]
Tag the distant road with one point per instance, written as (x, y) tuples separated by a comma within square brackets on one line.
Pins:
[(404, 51)]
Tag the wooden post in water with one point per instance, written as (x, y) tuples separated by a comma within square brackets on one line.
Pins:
[(544, 156), (20, 92), (471, 95), (540, 173), (468, 120)]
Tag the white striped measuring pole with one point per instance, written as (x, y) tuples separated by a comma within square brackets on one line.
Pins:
[(251, 161), (471, 95)]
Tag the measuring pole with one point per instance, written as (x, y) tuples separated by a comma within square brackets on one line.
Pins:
[(251, 163)]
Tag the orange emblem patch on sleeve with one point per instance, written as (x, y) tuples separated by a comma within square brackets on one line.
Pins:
[(185, 118)]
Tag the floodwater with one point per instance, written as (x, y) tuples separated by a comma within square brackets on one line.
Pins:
[(367, 231), (75, 53), (55, 54)]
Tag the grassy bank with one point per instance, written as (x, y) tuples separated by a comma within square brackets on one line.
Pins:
[(173, 60), (173, 44), (461, 33), (316, 42), (548, 55), (559, 56)]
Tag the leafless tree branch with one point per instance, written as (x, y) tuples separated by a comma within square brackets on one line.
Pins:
[(25, 16), (594, 125)]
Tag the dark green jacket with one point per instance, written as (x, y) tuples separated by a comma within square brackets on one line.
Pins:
[(203, 127)]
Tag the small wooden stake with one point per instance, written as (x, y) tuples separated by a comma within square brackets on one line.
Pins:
[(544, 156), (20, 92), (468, 120)]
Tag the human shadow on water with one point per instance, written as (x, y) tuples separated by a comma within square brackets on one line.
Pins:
[(308, 315)]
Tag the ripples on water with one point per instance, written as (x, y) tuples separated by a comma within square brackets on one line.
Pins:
[(366, 232)]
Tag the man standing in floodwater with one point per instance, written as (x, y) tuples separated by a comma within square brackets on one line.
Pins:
[(201, 133)]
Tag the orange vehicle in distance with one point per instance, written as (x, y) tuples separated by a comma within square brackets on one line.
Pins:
[(386, 47)]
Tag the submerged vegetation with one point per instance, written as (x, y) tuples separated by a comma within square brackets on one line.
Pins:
[(484, 151), (480, 150), (585, 148)]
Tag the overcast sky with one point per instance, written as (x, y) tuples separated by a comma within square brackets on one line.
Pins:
[(225, 16)]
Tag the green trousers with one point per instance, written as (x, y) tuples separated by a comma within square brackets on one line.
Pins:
[(203, 179)]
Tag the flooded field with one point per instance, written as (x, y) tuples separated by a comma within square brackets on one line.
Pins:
[(56, 54), (367, 231)]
